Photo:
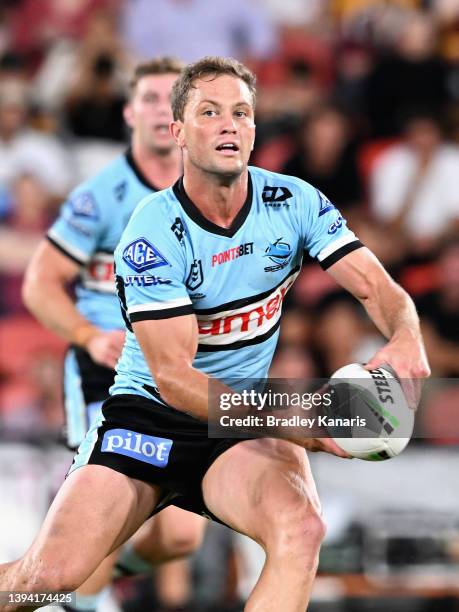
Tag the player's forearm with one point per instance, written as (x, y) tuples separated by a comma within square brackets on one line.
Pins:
[(391, 309), (188, 389), (54, 308)]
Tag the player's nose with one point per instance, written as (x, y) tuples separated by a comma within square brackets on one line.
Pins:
[(228, 124)]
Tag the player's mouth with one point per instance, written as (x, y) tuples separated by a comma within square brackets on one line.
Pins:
[(162, 128), (227, 148)]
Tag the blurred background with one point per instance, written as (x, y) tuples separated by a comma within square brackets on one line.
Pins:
[(358, 97)]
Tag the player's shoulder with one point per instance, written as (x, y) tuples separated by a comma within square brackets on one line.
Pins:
[(155, 209), (262, 177), (274, 187)]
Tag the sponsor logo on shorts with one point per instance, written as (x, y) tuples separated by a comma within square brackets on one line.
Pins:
[(279, 253), (145, 281), (334, 227), (84, 205), (233, 253), (276, 197), (141, 255), (325, 204), (148, 449)]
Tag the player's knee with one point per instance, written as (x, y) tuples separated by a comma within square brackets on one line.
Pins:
[(56, 579), (185, 541), (295, 527)]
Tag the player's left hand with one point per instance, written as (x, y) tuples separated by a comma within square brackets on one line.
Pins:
[(406, 355)]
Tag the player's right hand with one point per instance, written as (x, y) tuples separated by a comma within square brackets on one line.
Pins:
[(325, 445), (105, 347)]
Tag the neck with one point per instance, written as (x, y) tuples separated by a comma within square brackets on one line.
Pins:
[(219, 198), (160, 170)]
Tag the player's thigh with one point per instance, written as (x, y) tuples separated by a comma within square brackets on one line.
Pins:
[(260, 487), (94, 512)]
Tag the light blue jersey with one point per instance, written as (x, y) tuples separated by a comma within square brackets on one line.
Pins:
[(88, 229), (172, 261)]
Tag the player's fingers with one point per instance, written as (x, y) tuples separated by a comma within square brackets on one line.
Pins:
[(412, 388)]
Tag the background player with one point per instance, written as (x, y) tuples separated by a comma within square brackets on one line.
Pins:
[(79, 247), (143, 446)]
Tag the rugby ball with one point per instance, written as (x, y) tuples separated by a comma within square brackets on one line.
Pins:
[(369, 416)]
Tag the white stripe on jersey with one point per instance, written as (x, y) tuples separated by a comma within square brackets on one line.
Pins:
[(244, 323), (71, 250), (337, 244), (160, 305)]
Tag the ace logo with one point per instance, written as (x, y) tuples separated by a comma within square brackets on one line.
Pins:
[(141, 255)]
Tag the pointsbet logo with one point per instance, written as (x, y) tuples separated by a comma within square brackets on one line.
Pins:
[(149, 449)]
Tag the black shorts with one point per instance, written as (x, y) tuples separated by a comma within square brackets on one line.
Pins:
[(143, 439)]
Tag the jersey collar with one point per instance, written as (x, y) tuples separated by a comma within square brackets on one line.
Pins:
[(139, 174), (195, 214)]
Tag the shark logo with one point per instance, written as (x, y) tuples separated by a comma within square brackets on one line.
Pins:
[(280, 254)]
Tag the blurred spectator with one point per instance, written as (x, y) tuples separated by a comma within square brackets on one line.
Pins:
[(31, 210), (190, 29), (439, 312), (343, 333), (354, 62), (24, 150), (95, 108), (295, 12), (52, 20), (413, 184), (95, 100), (68, 66), (326, 157), (414, 75)]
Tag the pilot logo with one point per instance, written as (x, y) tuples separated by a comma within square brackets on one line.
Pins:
[(276, 196), (148, 449), (280, 253), (195, 277), (141, 255)]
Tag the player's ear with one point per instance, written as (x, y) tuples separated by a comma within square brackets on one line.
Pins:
[(176, 129), (128, 115)]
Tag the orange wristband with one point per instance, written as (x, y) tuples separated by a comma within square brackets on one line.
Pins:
[(83, 333)]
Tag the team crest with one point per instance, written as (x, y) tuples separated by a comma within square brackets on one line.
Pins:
[(84, 205), (195, 277), (280, 254), (141, 255)]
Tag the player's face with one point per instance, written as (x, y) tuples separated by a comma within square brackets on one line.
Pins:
[(149, 112), (218, 129)]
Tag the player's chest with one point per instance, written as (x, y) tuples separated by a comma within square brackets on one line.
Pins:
[(221, 270)]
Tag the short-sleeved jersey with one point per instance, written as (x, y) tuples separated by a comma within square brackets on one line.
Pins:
[(88, 229), (172, 261)]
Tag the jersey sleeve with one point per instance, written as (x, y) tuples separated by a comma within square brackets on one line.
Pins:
[(79, 225), (150, 268), (326, 235)]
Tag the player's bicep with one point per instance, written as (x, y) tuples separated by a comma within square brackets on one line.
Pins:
[(48, 264), (360, 273), (168, 343)]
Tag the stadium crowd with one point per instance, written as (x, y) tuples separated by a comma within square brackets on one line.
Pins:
[(358, 97)]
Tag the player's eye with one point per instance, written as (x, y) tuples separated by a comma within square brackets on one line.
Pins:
[(209, 112), (240, 113)]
